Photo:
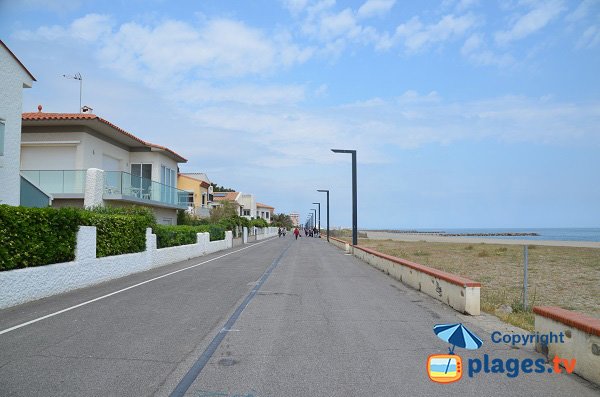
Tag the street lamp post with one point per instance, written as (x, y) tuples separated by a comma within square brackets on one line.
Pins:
[(326, 191), (315, 217), (319, 218), (354, 206)]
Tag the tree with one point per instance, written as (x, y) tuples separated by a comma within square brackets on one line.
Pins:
[(226, 210), (282, 220), (217, 188)]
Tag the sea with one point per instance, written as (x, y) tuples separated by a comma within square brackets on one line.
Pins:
[(558, 234)]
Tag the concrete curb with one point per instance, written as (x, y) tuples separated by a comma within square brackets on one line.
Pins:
[(457, 292)]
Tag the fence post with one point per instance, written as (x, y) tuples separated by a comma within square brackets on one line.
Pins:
[(525, 276), (85, 247), (94, 188)]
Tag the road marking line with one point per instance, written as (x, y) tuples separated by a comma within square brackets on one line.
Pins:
[(123, 290), (193, 373)]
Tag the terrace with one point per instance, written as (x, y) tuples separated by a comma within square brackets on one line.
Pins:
[(118, 186)]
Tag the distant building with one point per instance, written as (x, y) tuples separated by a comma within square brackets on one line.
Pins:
[(198, 192), (265, 212), (233, 197), (13, 78), (295, 217)]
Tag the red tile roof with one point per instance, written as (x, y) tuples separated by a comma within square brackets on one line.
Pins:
[(17, 59), (228, 196), (264, 206), (33, 116)]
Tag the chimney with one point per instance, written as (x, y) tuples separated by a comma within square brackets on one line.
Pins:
[(39, 108)]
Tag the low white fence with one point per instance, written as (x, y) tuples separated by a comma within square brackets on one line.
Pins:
[(24, 285)]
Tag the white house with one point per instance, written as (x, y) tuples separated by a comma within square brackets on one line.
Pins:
[(13, 78), (84, 160), (248, 203), (264, 211)]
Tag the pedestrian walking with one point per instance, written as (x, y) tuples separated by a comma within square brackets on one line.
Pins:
[(296, 233)]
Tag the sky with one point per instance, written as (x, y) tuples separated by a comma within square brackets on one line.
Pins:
[(464, 113)]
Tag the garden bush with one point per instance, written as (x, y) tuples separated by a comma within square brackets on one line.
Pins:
[(37, 236), (259, 222), (171, 236), (42, 236)]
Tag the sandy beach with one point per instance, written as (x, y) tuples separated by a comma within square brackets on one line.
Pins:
[(476, 240)]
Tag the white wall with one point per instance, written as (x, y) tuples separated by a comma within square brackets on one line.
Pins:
[(12, 81), (25, 285), (94, 149), (249, 202)]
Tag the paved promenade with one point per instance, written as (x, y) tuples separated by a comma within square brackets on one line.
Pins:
[(276, 318)]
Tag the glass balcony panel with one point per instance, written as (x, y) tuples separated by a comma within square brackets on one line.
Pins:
[(57, 181), (125, 184)]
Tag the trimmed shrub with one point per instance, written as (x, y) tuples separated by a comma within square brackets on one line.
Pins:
[(171, 236), (42, 236), (119, 230), (217, 232), (37, 236), (118, 234)]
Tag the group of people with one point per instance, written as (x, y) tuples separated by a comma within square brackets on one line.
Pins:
[(308, 232)]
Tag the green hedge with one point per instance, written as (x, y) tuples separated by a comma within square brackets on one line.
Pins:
[(171, 236), (119, 230), (259, 222), (37, 236), (41, 236)]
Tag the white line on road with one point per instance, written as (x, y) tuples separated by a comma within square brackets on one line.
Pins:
[(122, 290)]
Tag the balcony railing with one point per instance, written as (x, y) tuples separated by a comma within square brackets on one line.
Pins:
[(57, 181), (125, 184)]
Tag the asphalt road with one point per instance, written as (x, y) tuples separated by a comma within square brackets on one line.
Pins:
[(275, 318)]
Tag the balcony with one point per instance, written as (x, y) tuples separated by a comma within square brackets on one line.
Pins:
[(120, 185), (58, 183)]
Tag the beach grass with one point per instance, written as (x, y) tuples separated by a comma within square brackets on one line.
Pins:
[(568, 277)]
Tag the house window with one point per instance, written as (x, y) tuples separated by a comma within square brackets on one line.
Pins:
[(167, 176), (2, 127), (168, 180), (141, 179), (187, 198), (267, 215), (246, 212)]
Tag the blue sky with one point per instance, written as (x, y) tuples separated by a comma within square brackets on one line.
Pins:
[(464, 113)]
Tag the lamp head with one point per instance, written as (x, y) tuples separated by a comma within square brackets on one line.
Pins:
[(343, 151)]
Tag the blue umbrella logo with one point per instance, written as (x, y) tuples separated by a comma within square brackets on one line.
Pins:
[(457, 335)]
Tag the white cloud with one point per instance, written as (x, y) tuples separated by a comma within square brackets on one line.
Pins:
[(201, 92), (295, 6), (476, 50), (89, 28), (164, 53), (301, 137), (536, 19), (590, 38), (375, 8), (583, 10), (415, 35)]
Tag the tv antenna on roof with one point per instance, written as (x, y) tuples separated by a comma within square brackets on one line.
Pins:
[(76, 76)]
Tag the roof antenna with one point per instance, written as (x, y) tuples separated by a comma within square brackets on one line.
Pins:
[(76, 76)]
